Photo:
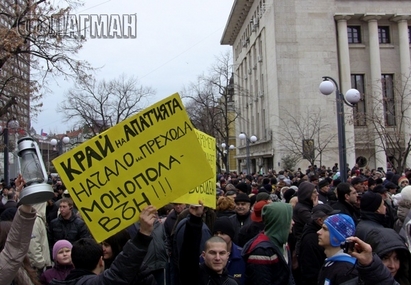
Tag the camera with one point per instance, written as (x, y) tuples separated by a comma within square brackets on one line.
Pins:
[(347, 246)]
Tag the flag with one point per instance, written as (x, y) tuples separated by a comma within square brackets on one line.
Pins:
[(43, 134)]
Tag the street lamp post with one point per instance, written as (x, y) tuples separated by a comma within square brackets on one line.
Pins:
[(226, 151), (328, 86), (59, 144), (251, 139), (11, 124)]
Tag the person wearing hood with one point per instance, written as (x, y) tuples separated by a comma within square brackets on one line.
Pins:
[(39, 251), (407, 229), (307, 198), (393, 252), (404, 206), (372, 214), (267, 256)]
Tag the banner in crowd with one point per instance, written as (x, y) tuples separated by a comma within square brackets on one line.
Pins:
[(206, 190), (151, 158)]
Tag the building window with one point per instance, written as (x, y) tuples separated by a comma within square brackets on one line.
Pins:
[(354, 34), (387, 84), (357, 82), (384, 34)]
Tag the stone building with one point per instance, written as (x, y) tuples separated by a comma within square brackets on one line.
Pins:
[(281, 50)]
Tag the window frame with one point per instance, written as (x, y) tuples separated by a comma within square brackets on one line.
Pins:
[(388, 94), (384, 34), (354, 34)]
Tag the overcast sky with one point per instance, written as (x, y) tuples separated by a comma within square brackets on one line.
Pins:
[(176, 41)]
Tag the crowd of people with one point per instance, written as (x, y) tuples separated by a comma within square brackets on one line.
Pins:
[(302, 227)]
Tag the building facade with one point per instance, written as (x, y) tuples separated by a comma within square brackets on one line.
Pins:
[(283, 48)]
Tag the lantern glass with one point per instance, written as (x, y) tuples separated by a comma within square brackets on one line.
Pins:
[(33, 172), (31, 167)]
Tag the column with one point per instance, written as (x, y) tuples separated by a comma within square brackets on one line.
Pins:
[(376, 87), (405, 65), (345, 83)]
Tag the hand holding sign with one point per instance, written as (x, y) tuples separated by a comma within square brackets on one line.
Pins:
[(197, 210), (147, 218)]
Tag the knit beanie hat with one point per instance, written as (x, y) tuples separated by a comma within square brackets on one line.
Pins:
[(59, 245), (340, 227), (242, 197), (289, 194), (243, 187), (258, 207), (225, 226), (402, 178), (406, 193), (262, 196), (370, 201)]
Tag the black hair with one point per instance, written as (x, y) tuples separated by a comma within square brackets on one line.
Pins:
[(86, 253), (342, 189), (117, 242)]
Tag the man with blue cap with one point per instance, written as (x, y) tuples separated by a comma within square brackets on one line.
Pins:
[(338, 267)]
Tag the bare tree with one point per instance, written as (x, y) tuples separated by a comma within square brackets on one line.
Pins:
[(210, 105), (307, 136), (100, 105), (389, 120), (34, 34)]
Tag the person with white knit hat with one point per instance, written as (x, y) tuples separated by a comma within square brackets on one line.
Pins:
[(404, 205)]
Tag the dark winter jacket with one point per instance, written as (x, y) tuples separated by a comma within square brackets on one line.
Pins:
[(368, 221), (265, 263), (302, 210), (169, 223), (239, 221), (189, 257), (249, 231), (323, 197), (123, 270), (347, 209), (156, 257), (311, 256), (338, 269), (268, 257), (59, 272), (72, 230)]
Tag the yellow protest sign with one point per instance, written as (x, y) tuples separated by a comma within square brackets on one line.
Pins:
[(206, 190), (141, 161)]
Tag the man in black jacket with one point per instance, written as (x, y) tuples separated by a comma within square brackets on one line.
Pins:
[(312, 256), (87, 257), (67, 225), (347, 201)]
